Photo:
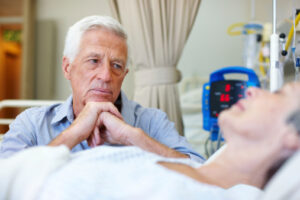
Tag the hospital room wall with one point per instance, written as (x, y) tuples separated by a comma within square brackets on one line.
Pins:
[(63, 13), (208, 47)]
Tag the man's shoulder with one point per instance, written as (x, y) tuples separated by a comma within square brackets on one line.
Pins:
[(141, 110), (40, 112)]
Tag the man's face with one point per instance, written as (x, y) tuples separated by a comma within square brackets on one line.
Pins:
[(99, 68), (260, 114)]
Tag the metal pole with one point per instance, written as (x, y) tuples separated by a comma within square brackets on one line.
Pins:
[(274, 15), (276, 72)]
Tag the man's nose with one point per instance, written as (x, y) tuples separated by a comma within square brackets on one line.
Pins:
[(104, 72)]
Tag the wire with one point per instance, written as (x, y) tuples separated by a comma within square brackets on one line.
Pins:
[(212, 149), (291, 33), (253, 10), (261, 59), (233, 26), (206, 148), (219, 139)]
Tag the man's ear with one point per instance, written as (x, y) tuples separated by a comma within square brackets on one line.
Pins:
[(66, 67), (126, 71)]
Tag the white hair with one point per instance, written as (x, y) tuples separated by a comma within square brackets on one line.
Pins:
[(76, 31)]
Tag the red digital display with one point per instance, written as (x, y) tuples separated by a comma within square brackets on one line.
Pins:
[(224, 98), (225, 93), (227, 87)]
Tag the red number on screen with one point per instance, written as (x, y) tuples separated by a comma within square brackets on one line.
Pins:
[(227, 87), (224, 98)]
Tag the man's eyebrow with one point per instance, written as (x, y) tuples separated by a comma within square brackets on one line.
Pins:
[(93, 55), (120, 60)]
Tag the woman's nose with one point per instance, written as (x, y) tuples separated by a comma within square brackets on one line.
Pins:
[(252, 92)]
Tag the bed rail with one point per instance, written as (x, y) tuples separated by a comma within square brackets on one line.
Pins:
[(14, 103)]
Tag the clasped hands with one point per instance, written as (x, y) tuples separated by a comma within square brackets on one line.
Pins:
[(101, 122)]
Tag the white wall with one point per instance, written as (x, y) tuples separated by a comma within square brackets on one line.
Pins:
[(64, 13), (208, 47), (264, 9)]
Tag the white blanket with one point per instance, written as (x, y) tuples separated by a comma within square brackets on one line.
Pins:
[(22, 175), (103, 173)]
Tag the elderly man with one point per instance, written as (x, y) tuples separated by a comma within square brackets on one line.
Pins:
[(94, 61)]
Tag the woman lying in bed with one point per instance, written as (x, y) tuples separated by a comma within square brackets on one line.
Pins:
[(261, 132)]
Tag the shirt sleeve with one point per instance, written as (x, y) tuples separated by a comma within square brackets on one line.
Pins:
[(164, 131), (19, 136)]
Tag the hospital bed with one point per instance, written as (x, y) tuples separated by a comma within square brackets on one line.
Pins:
[(21, 104), (55, 164)]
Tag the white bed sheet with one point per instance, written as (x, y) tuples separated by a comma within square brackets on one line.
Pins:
[(103, 173)]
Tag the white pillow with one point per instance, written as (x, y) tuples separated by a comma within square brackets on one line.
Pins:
[(286, 182)]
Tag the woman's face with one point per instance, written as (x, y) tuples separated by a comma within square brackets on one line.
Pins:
[(260, 115)]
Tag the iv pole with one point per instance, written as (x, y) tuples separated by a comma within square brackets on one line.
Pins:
[(276, 74)]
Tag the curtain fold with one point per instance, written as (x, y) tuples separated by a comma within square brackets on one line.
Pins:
[(157, 32)]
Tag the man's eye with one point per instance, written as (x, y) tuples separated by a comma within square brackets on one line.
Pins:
[(117, 66), (94, 61)]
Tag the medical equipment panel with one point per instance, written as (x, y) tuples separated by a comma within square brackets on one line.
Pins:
[(220, 93), (224, 94)]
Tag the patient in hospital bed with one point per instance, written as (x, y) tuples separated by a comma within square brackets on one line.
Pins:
[(261, 131)]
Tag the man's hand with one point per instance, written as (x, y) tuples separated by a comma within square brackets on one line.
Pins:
[(114, 130), (86, 125), (118, 132)]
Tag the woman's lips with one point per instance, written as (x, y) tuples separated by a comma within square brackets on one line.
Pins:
[(240, 105)]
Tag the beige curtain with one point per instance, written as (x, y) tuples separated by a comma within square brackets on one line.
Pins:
[(28, 72), (157, 31)]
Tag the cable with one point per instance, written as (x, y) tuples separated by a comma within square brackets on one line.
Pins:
[(206, 148), (239, 32), (212, 149), (291, 33), (219, 139)]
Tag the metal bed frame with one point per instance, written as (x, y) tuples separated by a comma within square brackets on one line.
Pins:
[(13, 103)]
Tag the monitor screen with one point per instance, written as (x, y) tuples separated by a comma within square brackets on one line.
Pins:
[(224, 94)]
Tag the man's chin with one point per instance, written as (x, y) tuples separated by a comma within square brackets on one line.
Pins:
[(99, 99)]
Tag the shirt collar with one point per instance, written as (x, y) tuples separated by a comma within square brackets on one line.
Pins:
[(128, 109), (65, 110)]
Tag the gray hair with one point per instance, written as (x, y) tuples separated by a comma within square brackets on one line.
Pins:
[(294, 119), (76, 31)]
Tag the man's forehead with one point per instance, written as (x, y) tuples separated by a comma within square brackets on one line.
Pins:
[(101, 53), (103, 49)]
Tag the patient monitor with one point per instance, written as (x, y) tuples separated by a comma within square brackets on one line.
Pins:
[(221, 92)]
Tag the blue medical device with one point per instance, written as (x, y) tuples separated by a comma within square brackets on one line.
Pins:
[(220, 93)]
